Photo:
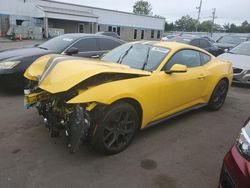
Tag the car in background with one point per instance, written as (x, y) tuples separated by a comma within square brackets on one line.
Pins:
[(235, 171), (229, 41), (200, 42), (167, 37), (135, 85), (110, 34), (240, 58), (14, 62), (208, 38)]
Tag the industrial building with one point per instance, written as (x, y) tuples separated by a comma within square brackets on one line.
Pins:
[(50, 17)]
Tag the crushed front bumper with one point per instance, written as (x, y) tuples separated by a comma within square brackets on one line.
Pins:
[(30, 99)]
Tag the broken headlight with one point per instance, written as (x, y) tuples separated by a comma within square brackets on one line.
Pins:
[(243, 141), (8, 64)]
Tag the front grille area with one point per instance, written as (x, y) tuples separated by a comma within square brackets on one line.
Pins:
[(225, 179), (237, 70)]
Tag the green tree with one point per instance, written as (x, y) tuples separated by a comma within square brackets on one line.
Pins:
[(186, 23), (245, 27), (142, 7), (206, 26), (169, 26)]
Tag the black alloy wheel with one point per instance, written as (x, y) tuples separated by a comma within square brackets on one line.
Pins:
[(219, 95), (117, 129)]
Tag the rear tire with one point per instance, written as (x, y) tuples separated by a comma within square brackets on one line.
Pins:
[(116, 129), (218, 96)]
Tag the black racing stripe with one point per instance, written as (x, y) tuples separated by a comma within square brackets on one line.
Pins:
[(53, 61)]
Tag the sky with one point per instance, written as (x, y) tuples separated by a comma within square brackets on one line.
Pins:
[(227, 11)]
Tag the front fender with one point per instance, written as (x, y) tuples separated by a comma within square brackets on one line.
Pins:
[(108, 93)]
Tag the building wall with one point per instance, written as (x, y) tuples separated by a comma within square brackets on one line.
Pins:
[(127, 33), (110, 16), (71, 26), (4, 25), (68, 16)]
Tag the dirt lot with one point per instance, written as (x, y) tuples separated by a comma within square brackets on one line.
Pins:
[(184, 152)]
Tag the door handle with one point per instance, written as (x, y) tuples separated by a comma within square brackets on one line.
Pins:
[(202, 76), (95, 56)]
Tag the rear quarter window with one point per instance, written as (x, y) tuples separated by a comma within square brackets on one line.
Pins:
[(205, 58)]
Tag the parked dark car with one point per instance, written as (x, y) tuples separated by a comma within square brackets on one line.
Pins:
[(235, 170), (200, 42), (227, 42), (110, 34), (14, 62), (208, 38)]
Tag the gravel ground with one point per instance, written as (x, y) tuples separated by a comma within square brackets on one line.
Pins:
[(184, 152)]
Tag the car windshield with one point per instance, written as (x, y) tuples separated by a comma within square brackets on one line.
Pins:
[(242, 49), (138, 56), (57, 44), (232, 39)]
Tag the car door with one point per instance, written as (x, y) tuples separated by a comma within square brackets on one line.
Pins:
[(181, 90), (195, 42), (87, 47)]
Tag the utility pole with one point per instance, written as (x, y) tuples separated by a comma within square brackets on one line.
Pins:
[(199, 15), (213, 18)]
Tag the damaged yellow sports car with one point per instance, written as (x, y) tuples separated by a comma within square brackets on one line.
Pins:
[(106, 101)]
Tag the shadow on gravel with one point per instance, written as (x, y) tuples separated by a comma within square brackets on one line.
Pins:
[(170, 122), (6, 91)]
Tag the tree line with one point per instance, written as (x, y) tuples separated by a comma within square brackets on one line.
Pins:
[(187, 23)]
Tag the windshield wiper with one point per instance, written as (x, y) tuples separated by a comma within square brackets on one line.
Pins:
[(42, 48), (146, 60), (119, 61)]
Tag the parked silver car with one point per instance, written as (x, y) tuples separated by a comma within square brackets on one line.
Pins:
[(240, 58)]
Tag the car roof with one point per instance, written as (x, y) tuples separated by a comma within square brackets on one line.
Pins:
[(246, 42), (237, 35), (85, 35), (169, 44), (76, 36)]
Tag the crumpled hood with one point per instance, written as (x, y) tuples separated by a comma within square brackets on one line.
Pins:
[(238, 61), (56, 73)]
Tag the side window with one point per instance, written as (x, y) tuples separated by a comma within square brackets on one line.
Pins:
[(204, 43), (205, 58), (107, 44), (190, 58), (86, 45), (195, 42)]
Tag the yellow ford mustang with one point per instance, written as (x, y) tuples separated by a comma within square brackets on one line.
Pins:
[(136, 85)]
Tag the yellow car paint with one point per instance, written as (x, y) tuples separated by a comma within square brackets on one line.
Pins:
[(158, 93)]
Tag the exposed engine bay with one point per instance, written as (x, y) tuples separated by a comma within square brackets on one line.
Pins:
[(73, 120)]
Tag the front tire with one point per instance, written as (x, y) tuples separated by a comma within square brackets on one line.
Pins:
[(116, 129), (218, 96)]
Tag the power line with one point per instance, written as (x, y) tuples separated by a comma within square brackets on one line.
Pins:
[(213, 18), (199, 14)]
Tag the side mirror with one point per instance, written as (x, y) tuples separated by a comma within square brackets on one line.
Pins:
[(226, 50), (72, 51), (177, 68)]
